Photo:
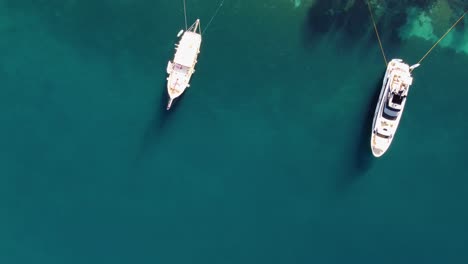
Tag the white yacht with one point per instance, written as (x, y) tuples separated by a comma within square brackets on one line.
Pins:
[(391, 104), (180, 70)]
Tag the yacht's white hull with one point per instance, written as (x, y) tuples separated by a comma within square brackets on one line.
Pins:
[(391, 104), (180, 70)]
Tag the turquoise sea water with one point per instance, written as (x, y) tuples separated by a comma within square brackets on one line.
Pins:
[(265, 159)]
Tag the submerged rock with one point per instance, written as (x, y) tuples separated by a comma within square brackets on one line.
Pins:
[(441, 14)]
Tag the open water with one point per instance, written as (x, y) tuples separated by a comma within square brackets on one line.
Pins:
[(265, 159)]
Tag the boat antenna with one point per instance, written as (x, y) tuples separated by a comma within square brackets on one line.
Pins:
[(377, 32), (214, 15), (185, 15), (443, 36)]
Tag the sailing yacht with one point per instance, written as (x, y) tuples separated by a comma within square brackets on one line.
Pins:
[(180, 70), (391, 104)]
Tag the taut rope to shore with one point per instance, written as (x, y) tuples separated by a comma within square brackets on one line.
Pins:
[(377, 32), (443, 36), (185, 15), (214, 15)]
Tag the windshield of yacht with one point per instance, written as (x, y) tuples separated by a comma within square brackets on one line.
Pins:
[(397, 99), (389, 112), (382, 135)]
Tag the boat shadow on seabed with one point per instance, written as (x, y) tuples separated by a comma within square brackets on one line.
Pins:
[(363, 156), (159, 121), (362, 159)]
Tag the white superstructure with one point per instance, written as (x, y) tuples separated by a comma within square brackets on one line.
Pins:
[(180, 70), (390, 106)]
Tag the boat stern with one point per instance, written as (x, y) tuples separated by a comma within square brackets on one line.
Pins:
[(169, 103), (379, 145), (377, 152)]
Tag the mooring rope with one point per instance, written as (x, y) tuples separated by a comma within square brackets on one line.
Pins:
[(214, 15), (185, 15), (443, 36), (377, 32)]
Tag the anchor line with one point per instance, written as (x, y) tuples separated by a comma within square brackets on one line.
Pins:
[(443, 36), (185, 15), (377, 32), (212, 17)]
